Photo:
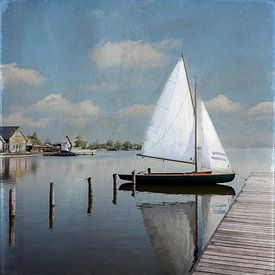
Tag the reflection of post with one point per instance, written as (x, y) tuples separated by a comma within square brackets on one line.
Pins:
[(12, 210), (52, 198), (196, 250), (51, 217), (134, 183), (90, 196), (12, 202), (51, 205), (115, 198), (12, 231)]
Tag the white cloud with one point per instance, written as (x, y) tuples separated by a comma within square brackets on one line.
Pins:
[(55, 109), (23, 119), (128, 54), (97, 13), (136, 111), (262, 110), (170, 43), (222, 104), (13, 75)]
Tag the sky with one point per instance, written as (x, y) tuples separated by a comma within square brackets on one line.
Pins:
[(97, 68)]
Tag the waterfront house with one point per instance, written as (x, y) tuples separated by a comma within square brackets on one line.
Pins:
[(2, 142), (14, 139)]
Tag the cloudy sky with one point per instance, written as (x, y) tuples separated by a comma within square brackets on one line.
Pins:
[(96, 68)]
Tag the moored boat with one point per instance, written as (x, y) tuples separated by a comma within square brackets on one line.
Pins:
[(182, 131)]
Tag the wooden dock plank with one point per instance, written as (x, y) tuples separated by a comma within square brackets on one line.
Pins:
[(244, 242)]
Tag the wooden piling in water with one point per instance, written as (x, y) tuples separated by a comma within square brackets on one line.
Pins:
[(115, 188), (52, 197), (134, 183), (90, 196), (149, 170), (12, 202)]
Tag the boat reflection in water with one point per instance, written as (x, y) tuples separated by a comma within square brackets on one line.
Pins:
[(180, 220)]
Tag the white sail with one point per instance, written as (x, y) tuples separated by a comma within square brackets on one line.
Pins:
[(170, 134), (213, 156)]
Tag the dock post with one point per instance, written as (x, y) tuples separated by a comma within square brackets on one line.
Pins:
[(12, 202), (134, 183), (149, 170), (90, 196), (116, 179), (12, 213), (52, 197)]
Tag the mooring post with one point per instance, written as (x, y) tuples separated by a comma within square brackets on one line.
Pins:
[(116, 179), (52, 197), (134, 183), (149, 170), (12, 202), (90, 196)]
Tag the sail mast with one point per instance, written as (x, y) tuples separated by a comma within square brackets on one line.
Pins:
[(194, 103), (196, 130)]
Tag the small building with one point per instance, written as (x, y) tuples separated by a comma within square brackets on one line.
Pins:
[(14, 139)]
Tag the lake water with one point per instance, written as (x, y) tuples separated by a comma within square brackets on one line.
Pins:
[(156, 231)]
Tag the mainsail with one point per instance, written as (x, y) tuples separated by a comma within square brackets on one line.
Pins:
[(170, 134)]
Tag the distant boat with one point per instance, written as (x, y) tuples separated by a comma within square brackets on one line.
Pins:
[(180, 125)]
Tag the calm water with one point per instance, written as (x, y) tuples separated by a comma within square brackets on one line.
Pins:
[(157, 231)]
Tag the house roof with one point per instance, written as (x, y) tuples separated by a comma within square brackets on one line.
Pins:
[(6, 132)]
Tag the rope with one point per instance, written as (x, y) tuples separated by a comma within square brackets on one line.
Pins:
[(244, 178)]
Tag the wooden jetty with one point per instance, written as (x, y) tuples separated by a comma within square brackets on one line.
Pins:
[(244, 242)]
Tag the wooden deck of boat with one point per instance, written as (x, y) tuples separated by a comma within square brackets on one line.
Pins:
[(244, 242)]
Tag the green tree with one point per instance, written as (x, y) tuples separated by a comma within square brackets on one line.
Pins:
[(109, 144), (127, 145), (34, 139), (118, 145), (80, 142)]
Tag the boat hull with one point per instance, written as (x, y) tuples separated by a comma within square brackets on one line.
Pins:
[(179, 178)]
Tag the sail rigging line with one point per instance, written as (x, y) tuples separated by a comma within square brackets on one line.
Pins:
[(147, 156), (244, 178), (193, 104), (164, 134)]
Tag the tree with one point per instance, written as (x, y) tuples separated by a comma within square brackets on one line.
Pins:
[(34, 139), (127, 145), (118, 145), (80, 142), (109, 143)]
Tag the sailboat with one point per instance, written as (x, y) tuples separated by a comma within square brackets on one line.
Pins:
[(180, 130)]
